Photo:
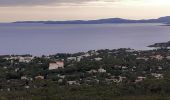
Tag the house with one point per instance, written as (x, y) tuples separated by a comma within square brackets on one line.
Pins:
[(86, 55), (92, 71), (61, 76), (121, 78), (16, 69), (98, 59), (27, 87), (79, 58), (142, 58), (10, 58), (5, 67), (118, 79), (124, 67), (101, 70), (117, 66), (71, 58), (157, 76), (158, 57), (56, 65), (72, 83), (24, 78), (39, 77), (25, 59), (160, 68), (168, 57), (60, 80), (140, 78), (8, 89)]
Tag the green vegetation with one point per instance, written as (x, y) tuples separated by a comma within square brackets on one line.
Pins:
[(121, 74)]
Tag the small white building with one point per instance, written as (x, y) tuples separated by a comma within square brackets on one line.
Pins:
[(86, 55), (157, 76), (158, 57), (92, 71), (56, 65), (24, 78), (10, 58), (5, 67), (61, 76), (25, 59), (60, 80), (27, 87), (140, 78), (124, 67), (39, 77), (72, 83), (101, 70), (71, 58), (160, 68), (168, 57), (79, 58), (98, 59), (142, 58), (121, 78), (16, 69)]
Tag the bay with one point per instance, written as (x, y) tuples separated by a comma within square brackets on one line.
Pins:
[(45, 39)]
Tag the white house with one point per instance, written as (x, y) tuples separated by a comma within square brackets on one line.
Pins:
[(124, 67), (56, 65), (168, 57), (79, 58), (140, 78), (72, 83), (24, 78), (158, 76), (101, 70), (142, 58), (25, 59), (121, 79), (92, 71), (72, 58), (39, 77), (86, 55), (98, 59), (158, 57)]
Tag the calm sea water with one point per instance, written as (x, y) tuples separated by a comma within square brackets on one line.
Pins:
[(38, 39)]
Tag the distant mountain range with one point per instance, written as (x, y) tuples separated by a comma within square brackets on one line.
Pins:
[(165, 20)]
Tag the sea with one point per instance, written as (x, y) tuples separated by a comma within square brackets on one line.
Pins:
[(47, 39)]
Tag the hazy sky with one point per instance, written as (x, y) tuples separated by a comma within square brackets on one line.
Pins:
[(19, 10)]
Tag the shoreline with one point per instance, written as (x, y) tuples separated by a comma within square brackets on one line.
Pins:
[(151, 48)]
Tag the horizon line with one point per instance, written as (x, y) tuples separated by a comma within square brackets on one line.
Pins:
[(83, 19)]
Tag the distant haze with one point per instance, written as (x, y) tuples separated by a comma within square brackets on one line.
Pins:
[(32, 10)]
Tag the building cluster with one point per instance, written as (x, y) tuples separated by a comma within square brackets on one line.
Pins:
[(25, 59), (102, 66)]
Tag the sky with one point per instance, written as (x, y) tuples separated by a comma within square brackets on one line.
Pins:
[(36, 10)]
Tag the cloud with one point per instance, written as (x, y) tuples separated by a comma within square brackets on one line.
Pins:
[(38, 2), (45, 2)]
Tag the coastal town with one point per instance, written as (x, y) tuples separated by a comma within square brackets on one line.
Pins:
[(113, 72), (146, 71)]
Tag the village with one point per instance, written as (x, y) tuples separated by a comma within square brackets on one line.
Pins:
[(89, 68)]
